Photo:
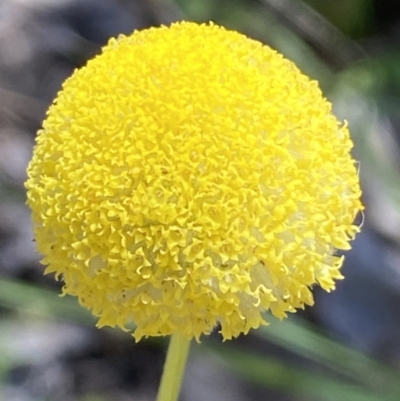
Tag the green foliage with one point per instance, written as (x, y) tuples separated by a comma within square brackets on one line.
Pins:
[(334, 371), (352, 17)]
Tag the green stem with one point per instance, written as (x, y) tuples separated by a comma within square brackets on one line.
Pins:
[(174, 368)]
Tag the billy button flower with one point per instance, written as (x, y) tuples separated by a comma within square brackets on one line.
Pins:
[(190, 177)]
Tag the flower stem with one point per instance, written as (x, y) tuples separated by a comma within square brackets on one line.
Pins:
[(174, 367)]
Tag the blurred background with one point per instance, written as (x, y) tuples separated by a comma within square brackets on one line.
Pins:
[(347, 347)]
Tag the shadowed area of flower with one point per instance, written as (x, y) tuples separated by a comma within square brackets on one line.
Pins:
[(190, 176)]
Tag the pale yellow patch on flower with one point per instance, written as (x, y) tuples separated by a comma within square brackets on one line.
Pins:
[(190, 176)]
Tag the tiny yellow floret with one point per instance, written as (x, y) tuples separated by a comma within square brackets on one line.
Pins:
[(188, 177)]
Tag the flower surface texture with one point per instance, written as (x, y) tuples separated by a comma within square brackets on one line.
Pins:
[(188, 177)]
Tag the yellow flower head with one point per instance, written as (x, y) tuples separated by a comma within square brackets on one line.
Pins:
[(188, 177)]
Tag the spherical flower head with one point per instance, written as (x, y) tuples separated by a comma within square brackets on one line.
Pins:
[(188, 177)]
